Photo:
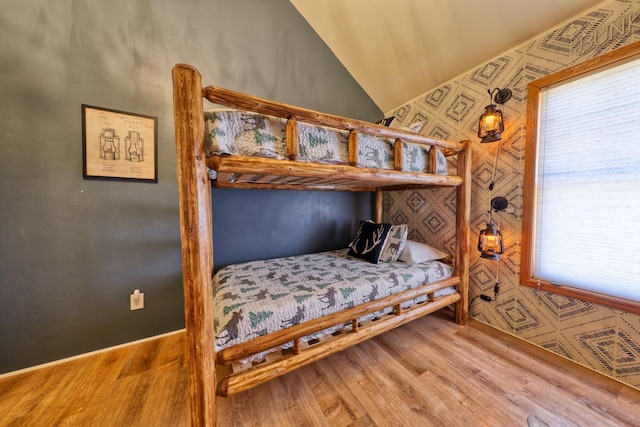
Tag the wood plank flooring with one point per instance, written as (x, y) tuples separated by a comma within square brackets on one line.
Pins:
[(430, 372)]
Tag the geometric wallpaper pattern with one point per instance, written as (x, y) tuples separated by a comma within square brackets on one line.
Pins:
[(601, 338)]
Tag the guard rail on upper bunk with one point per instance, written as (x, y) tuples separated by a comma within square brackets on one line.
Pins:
[(260, 172)]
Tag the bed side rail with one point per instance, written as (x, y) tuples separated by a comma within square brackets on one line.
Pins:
[(250, 376)]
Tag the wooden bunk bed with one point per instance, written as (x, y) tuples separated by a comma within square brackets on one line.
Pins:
[(214, 373)]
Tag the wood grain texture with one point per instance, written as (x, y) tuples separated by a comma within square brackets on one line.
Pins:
[(379, 206), (430, 372), (433, 161), (196, 234), (463, 231), (353, 148), (398, 155), (358, 176), (293, 146), (330, 186)]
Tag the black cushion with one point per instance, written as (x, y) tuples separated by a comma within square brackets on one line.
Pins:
[(369, 241)]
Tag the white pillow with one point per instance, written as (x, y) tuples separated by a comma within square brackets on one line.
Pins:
[(416, 253)]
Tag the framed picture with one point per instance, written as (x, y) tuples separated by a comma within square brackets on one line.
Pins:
[(119, 145)]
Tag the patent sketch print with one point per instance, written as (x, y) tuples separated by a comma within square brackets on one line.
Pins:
[(119, 145)]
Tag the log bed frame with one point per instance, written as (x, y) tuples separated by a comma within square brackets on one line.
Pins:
[(194, 188)]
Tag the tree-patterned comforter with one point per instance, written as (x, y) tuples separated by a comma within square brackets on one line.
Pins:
[(260, 297)]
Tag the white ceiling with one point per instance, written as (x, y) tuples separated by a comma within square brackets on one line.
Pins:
[(398, 50)]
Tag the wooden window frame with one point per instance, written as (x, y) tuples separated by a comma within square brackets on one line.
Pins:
[(528, 219)]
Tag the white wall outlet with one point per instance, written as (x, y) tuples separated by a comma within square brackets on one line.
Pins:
[(136, 300)]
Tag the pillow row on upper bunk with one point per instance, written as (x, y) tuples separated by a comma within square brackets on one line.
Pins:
[(251, 134)]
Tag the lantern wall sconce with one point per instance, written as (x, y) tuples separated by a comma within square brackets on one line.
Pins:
[(490, 240), (491, 123)]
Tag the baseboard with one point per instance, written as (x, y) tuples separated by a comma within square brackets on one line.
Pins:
[(91, 353)]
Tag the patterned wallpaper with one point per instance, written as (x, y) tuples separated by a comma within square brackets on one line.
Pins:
[(601, 338)]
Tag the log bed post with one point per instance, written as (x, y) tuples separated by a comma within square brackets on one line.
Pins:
[(463, 232), (379, 205), (194, 191)]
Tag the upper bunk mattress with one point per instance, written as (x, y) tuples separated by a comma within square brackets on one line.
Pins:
[(259, 297), (233, 132)]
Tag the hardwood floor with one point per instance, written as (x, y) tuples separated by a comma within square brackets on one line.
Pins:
[(430, 372)]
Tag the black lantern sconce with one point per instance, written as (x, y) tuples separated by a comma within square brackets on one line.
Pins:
[(490, 241), (491, 124)]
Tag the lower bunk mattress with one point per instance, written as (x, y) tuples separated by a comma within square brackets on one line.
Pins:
[(260, 297)]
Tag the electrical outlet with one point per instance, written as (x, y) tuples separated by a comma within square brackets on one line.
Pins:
[(136, 300)]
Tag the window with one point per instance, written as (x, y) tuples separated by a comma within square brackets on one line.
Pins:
[(581, 223)]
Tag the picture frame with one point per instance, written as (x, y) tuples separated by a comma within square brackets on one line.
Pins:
[(119, 145)]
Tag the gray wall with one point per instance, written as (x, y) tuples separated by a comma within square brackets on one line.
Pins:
[(72, 250)]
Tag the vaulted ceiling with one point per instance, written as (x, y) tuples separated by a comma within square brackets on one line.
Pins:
[(400, 49)]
